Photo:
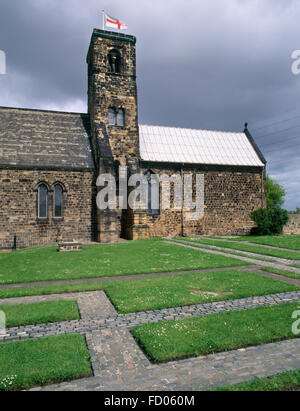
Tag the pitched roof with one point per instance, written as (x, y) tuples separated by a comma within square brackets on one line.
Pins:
[(180, 145), (51, 139), (44, 139)]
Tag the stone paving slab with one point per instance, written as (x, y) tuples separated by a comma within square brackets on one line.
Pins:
[(249, 243), (128, 372), (246, 253), (115, 354), (288, 280), (91, 304), (119, 364), (87, 325), (284, 265)]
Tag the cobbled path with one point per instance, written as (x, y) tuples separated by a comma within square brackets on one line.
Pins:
[(119, 364), (108, 318)]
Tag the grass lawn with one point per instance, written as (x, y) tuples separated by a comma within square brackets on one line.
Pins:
[(282, 241), (163, 292), (136, 257), (166, 341), (285, 273), (250, 248), (138, 294), (39, 313), (51, 289), (288, 381), (43, 361)]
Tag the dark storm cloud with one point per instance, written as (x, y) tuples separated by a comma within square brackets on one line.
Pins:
[(209, 64)]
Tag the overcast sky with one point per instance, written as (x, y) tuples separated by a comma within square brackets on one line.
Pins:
[(211, 64)]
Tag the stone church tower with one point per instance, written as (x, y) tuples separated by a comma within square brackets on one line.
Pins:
[(112, 106)]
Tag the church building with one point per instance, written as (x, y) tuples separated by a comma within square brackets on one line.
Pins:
[(50, 161)]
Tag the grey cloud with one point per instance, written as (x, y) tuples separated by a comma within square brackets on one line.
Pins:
[(209, 64)]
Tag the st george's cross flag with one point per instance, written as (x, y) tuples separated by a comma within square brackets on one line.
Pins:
[(114, 23)]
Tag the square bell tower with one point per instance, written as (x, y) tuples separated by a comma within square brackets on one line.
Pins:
[(112, 106), (112, 95)]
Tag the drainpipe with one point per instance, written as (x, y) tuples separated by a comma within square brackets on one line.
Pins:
[(182, 217), (263, 194)]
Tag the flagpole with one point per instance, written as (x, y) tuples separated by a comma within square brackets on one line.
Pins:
[(103, 19)]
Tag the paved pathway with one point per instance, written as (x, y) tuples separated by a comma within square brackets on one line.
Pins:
[(97, 315), (272, 247), (282, 265), (119, 364), (246, 253), (257, 270), (116, 278)]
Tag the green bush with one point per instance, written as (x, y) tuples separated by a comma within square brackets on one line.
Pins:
[(269, 221)]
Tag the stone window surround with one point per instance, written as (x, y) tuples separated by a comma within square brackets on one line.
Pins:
[(119, 51), (50, 202), (61, 217), (150, 212), (116, 110)]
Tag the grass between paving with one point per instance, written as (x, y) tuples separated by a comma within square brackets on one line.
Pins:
[(136, 257), (284, 273), (282, 241), (249, 248), (164, 292), (288, 381), (40, 313), (172, 340), (51, 289), (25, 364), (225, 251)]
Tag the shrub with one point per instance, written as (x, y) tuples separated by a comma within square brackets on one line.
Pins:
[(269, 221)]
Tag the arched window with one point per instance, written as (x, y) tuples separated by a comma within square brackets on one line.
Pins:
[(120, 118), (42, 201), (114, 59), (111, 116), (58, 201), (153, 194)]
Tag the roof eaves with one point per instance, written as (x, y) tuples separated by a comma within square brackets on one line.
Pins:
[(254, 145)]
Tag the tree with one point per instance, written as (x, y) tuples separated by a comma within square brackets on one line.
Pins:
[(275, 193), (298, 209)]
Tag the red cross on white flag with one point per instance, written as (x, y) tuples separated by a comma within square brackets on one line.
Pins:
[(113, 22)]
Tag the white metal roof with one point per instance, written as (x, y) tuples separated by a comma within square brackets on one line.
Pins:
[(181, 145)]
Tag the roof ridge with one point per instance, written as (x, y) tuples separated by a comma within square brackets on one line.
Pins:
[(43, 111), (193, 129)]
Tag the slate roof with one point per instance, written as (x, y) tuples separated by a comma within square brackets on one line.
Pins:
[(58, 140), (180, 145), (44, 139)]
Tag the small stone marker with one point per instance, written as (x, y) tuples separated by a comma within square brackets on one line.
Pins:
[(69, 247)]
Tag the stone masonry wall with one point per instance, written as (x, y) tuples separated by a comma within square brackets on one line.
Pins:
[(230, 196), (18, 207), (293, 226)]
